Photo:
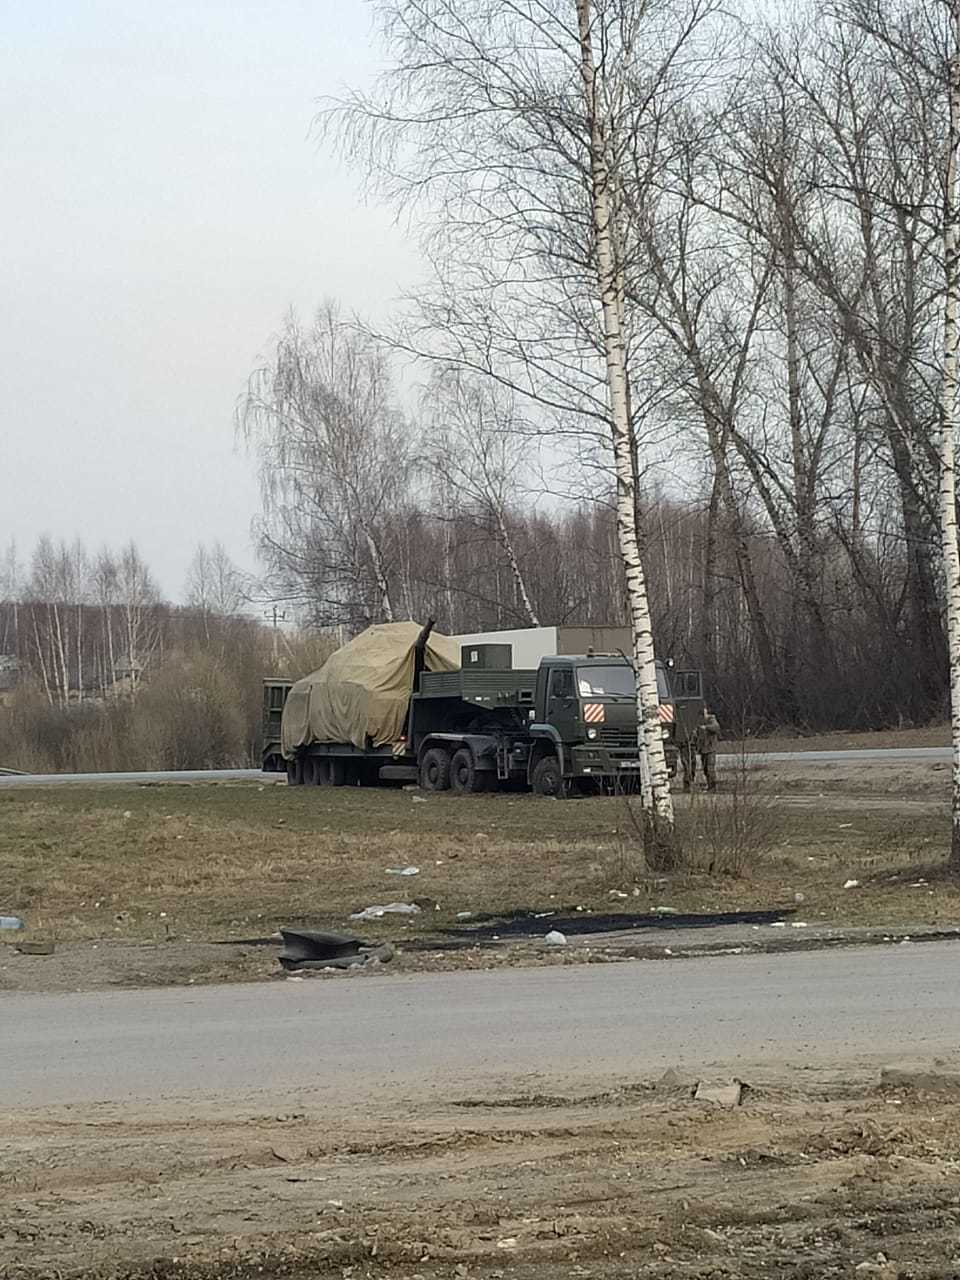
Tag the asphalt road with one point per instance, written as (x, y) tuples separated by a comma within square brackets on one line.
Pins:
[(414, 1035), (170, 775), (888, 755)]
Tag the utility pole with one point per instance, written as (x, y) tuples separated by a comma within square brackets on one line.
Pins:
[(275, 616)]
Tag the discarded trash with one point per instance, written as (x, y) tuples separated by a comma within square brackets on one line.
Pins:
[(464, 915), (309, 944), (310, 949), (798, 924), (391, 909), (666, 911), (722, 1095), (419, 799), (799, 897), (852, 884), (403, 871), (11, 922), (778, 924), (555, 938), (616, 893), (508, 1242)]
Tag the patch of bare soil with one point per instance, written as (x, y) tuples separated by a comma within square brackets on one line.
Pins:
[(934, 735), (815, 1175), (858, 784)]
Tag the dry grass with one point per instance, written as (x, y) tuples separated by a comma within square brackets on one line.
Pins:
[(144, 863), (934, 735)]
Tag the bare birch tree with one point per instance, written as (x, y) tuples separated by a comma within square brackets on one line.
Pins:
[(214, 586), (610, 272), (477, 453), (137, 596), (334, 461), (950, 384)]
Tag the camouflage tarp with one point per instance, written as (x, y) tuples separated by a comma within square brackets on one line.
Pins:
[(362, 692)]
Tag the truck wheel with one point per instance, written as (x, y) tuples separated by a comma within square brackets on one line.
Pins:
[(316, 773), (547, 779), (464, 774), (435, 770)]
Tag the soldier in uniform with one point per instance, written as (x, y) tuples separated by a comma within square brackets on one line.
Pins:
[(708, 735)]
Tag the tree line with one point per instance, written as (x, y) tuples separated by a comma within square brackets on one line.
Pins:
[(101, 673)]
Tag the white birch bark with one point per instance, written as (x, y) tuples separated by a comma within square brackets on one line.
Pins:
[(656, 797), (948, 414), (376, 562), (60, 659), (518, 579), (41, 660)]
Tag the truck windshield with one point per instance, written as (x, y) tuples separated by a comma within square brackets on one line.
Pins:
[(615, 681)]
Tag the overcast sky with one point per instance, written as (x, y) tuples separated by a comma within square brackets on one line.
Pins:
[(162, 206)]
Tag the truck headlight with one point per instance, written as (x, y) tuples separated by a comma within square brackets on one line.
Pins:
[(591, 734)]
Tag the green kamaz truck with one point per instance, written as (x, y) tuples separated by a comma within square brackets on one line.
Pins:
[(472, 723)]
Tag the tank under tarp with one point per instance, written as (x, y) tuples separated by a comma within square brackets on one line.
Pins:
[(361, 694)]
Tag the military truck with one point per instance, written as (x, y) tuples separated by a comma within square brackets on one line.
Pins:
[(682, 710), (568, 724)]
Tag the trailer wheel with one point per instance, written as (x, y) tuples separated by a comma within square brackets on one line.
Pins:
[(435, 770), (316, 773), (464, 774), (547, 779)]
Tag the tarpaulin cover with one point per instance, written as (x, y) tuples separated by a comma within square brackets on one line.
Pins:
[(362, 692)]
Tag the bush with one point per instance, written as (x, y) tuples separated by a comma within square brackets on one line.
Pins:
[(726, 832), (722, 833)]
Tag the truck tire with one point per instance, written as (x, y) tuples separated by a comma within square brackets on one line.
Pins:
[(435, 770), (316, 773), (547, 780), (464, 774)]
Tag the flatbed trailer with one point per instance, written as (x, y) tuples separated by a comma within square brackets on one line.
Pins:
[(569, 724)]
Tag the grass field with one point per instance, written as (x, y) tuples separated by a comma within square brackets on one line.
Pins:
[(151, 863)]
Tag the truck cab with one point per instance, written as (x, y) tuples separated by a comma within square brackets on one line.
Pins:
[(586, 721)]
